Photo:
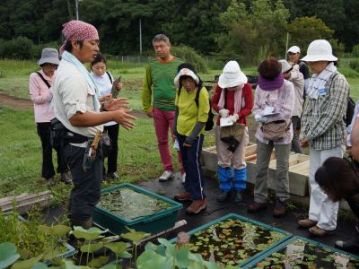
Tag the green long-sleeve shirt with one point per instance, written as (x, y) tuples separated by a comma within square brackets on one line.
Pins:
[(159, 90)]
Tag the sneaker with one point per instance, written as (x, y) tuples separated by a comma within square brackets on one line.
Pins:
[(112, 176), (183, 178), (306, 223), (197, 206), (254, 207), (66, 177), (280, 208), (349, 245), (316, 231), (183, 197), (166, 176), (223, 196), (50, 181), (238, 198)]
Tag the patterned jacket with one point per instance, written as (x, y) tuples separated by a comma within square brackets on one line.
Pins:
[(322, 119)]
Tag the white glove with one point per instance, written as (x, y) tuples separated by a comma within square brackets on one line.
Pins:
[(234, 118), (223, 113)]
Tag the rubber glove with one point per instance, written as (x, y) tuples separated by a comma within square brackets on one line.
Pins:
[(234, 118), (223, 113)]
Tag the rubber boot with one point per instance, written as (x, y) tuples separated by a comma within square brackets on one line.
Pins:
[(240, 178), (225, 185)]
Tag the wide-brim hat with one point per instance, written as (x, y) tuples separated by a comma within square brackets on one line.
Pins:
[(49, 55), (285, 66), (231, 76), (319, 50), (186, 72)]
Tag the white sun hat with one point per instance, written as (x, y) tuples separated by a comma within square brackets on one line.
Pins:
[(319, 50), (285, 66), (187, 73), (294, 49), (231, 76), (49, 55)]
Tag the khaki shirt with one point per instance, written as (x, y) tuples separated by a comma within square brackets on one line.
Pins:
[(72, 94)]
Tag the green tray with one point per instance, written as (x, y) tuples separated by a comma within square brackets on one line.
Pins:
[(233, 216), (157, 222), (319, 248)]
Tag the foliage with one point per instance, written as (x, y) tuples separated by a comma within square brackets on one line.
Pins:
[(17, 48), (253, 33), (304, 30), (167, 256), (355, 51), (354, 64), (189, 55), (30, 238)]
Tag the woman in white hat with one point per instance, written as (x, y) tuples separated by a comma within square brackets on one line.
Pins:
[(233, 100), (192, 107), (323, 130), (39, 87)]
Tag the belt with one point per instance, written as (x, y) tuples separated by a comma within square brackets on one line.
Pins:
[(75, 138)]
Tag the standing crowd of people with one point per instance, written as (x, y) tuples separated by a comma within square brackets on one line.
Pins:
[(79, 110)]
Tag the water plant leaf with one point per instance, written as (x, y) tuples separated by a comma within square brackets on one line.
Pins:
[(56, 230), (8, 254), (40, 265), (134, 236), (26, 264), (91, 248), (182, 257), (90, 234), (117, 247), (112, 266), (99, 261), (151, 260)]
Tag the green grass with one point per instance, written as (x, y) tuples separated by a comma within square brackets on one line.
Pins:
[(20, 153)]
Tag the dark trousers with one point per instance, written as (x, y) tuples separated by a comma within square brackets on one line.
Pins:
[(86, 185), (112, 153), (48, 171), (192, 166), (296, 129)]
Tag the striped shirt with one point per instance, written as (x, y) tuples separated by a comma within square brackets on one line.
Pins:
[(322, 119)]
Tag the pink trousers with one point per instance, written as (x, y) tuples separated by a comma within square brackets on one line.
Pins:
[(164, 120)]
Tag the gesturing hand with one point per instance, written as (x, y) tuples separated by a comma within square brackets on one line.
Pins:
[(115, 104), (124, 118)]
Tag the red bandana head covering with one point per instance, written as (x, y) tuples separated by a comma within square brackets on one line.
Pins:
[(79, 30)]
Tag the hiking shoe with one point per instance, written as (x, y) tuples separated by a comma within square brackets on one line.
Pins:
[(223, 196), (183, 197), (306, 223), (165, 176), (112, 176), (254, 207), (50, 181), (280, 208), (316, 231), (196, 207), (66, 177), (349, 245), (238, 198)]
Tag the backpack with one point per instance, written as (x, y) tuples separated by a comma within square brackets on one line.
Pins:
[(210, 123), (350, 111)]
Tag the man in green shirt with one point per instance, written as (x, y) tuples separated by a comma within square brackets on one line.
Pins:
[(158, 99)]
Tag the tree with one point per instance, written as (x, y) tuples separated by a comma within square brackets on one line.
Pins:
[(255, 31), (304, 30)]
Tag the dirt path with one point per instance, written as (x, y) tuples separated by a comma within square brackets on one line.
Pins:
[(14, 102), (24, 104)]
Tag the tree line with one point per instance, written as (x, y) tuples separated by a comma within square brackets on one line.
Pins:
[(224, 28)]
